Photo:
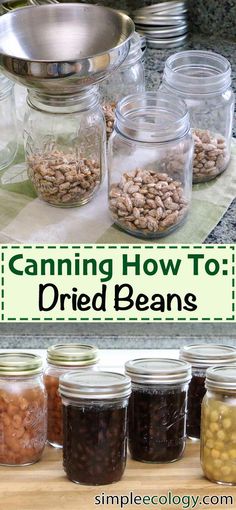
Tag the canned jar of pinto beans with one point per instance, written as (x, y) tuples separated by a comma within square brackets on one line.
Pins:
[(157, 409), (23, 409), (62, 358), (218, 430), (201, 357), (95, 426)]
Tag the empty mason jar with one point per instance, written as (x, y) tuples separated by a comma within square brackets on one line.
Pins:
[(23, 406), (203, 80), (8, 130), (95, 426), (157, 409), (150, 164), (218, 430), (201, 357), (62, 358), (128, 79), (65, 144)]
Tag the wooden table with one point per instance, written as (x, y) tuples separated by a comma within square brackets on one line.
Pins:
[(44, 485)]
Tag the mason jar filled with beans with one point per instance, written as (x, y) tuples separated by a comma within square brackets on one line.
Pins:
[(150, 165), (218, 430), (65, 145), (62, 358), (23, 409), (157, 409), (201, 357), (203, 80), (95, 426)]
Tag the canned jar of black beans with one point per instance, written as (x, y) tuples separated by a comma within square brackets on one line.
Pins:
[(94, 426), (201, 357), (157, 409)]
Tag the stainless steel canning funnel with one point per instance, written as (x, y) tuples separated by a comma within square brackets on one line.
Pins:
[(60, 48)]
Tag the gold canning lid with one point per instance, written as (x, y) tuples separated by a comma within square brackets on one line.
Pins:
[(73, 355), (20, 364)]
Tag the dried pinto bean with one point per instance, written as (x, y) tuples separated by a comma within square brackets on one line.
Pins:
[(147, 201), (63, 179), (157, 420), (55, 420), (210, 155), (94, 451), (23, 426)]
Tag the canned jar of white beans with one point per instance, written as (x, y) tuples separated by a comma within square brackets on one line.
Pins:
[(218, 427)]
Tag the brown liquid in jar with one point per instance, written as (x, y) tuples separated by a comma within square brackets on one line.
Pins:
[(22, 426), (95, 443), (196, 392), (55, 419), (157, 424)]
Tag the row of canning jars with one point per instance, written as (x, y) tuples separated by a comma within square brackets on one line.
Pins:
[(158, 142), (92, 413)]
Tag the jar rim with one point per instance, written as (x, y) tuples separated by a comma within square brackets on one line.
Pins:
[(158, 371), (82, 100), (135, 51), (167, 117), (221, 378), (99, 385), (205, 355), (197, 72), (76, 355), (20, 363)]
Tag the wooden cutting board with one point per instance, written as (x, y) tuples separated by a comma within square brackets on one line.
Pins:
[(44, 485)]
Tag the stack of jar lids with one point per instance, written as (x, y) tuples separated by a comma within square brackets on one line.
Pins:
[(165, 24)]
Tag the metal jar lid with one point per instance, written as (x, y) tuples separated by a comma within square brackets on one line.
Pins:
[(206, 355), (221, 378), (172, 42), (19, 364), (165, 32), (160, 20), (94, 385), (166, 7), (73, 355), (158, 371)]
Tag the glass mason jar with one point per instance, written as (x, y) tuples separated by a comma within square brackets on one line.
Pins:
[(218, 431), (95, 426), (23, 406), (150, 164), (201, 357), (203, 80), (128, 79), (158, 398), (8, 140), (62, 358), (65, 144)]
